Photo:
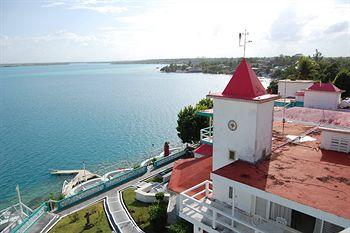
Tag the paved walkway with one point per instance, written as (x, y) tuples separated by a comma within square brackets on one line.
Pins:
[(122, 220), (118, 217), (44, 221)]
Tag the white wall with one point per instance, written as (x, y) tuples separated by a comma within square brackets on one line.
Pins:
[(292, 87), (299, 98), (341, 140), (242, 140), (264, 129), (253, 133), (322, 99)]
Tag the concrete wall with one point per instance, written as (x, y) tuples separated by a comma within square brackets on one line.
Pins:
[(242, 140), (322, 99), (143, 195), (264, 129), (253, 133), (341, 136), (292, 87)]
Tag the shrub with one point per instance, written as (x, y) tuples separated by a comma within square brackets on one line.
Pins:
[(74, 217), (181, 226), (160, 196)]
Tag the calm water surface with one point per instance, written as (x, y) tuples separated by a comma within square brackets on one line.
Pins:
[(56, 117)]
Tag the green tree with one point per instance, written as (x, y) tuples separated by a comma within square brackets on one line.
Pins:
[(342, 81), (189, 124), (306, 68), (330, 72), (273, 87), (158, 217)]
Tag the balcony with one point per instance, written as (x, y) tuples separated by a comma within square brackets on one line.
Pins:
[(207, 135), (198, 207)]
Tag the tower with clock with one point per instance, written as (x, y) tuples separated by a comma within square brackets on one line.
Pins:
[(243, 117)]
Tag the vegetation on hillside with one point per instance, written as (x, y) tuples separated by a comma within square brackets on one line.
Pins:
[(189, 124)]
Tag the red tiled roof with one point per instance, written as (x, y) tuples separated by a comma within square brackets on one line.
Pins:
[(244, 84), (324, 87), (189, 172), (204, 149), (301, 173)]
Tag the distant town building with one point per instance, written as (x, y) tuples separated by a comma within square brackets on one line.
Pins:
[(323, 96), (289, 88)]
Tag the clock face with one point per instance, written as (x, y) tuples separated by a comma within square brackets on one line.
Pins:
[(232, 125)]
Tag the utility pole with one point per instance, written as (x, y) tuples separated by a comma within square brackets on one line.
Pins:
[(19, 198), (84, 170), (245, 41)]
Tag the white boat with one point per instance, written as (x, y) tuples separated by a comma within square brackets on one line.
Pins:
[(85, 185)]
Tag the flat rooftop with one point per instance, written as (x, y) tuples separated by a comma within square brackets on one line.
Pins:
[(315, 116), (299, 172)]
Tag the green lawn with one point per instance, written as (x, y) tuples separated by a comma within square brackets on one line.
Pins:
[(137, 209), (75, 222), (157, 179)]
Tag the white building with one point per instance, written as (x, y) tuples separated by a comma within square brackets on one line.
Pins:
[(323, 96), (289, 88), (259, 180)]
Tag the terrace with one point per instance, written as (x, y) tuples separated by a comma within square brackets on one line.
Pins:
[(199, 207)]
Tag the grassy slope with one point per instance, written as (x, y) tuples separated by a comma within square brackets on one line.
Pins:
[(98, 219), (137, 209)]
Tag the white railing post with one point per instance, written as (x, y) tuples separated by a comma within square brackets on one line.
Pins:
[(206, 189), (181, 204), (214, 219)]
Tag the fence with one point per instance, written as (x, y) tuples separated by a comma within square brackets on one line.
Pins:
[(169, 159), (123, 178), (31, 219)]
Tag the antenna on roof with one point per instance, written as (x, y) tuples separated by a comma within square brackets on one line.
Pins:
[(245, 41)]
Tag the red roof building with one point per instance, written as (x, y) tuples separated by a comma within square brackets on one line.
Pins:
[(204, 150), (324, 87), (244, 84), (299, 172), (189, 172)]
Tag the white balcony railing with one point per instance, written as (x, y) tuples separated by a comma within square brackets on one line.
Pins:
[(198, 207), (207, 135)]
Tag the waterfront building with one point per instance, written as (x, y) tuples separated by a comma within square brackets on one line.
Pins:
[(263, 175)]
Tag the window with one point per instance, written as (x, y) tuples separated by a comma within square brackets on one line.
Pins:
[(230, 192), (232, 155)]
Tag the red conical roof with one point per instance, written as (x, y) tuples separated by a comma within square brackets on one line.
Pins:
[(244, 83)]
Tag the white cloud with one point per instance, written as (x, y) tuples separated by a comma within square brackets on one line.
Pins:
[(101, 6), (338, 27), (100, 9), (54, 4), (190, 28)]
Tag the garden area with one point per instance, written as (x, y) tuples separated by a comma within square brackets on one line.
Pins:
[(152, 218), (88, 220)]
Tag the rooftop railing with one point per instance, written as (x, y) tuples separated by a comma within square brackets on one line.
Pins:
[(207, 135), (198, 207)]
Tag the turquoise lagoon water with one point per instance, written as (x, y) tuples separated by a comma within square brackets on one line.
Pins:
[(56, 117)]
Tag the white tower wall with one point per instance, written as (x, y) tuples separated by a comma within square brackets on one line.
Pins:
[(253, 133)]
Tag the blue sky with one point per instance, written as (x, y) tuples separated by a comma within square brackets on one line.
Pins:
[(92, 30)]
